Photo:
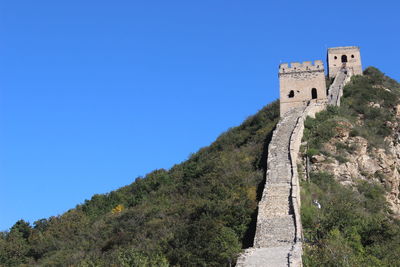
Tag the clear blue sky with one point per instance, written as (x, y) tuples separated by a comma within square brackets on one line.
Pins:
[(96, 93)]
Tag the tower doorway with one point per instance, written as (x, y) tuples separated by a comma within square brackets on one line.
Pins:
[(314, 94), (344, 59)]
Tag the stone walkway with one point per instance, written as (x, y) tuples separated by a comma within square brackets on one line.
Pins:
[(336, 88), (275, 232), (275, 241)]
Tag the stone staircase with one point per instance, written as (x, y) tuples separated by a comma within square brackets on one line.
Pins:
[(278, 238), (275, 226), (336, 89), (275, 232)]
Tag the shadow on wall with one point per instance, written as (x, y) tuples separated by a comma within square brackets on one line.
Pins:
[(248, 240)]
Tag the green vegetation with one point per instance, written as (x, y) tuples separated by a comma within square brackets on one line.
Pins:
[(357, 113), (199, 213), (353, 227)]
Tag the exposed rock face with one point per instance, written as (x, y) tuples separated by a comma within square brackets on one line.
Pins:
[(351, 158)]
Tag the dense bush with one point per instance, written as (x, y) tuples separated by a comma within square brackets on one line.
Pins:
[(357, 106), (352, 227)]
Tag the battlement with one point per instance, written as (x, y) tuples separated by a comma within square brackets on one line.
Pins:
[(296, 67), (343, 48)]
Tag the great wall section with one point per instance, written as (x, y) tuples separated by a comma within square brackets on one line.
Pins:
[(278, 238)]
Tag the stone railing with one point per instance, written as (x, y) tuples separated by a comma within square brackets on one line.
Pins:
[(295, 256)]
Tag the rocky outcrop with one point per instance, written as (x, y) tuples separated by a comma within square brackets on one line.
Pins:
[(362, 161)]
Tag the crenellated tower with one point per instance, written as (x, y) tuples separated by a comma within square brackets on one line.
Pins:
[(344, 57), (301, 83)]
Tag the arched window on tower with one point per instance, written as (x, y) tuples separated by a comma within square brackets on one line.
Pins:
[(344, 59), (291, 94), (314, 94)]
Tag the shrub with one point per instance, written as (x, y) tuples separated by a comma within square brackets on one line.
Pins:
[(352, 228), (312, 152)]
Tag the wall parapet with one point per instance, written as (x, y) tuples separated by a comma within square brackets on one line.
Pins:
[(296, 67), (295, 257), (343, 48)]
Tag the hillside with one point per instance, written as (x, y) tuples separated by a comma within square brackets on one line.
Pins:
[(202, 212), (350, 166), (197, 213)]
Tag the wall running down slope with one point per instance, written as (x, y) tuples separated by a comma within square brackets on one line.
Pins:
[(278, 238), (336, 89)]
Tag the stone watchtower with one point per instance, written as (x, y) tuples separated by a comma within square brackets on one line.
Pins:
[(344, 57), (301, 83)]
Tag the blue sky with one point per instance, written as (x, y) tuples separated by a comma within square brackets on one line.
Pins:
[(96, 93)]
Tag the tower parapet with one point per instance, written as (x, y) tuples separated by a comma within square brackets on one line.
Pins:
[(301, 83), (287, 68)]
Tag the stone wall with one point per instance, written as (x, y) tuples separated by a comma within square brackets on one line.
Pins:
[(278, 239), (276, 231), (295, 257)]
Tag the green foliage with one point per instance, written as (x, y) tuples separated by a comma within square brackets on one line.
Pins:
[(322, 128), (312, 152), (205, 239), (373, 87), (352, 228), (127, 257), (198, 213), (357, 105)]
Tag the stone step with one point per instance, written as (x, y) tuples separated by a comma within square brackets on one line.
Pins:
[(276, 206), (272, 232), (261, 257), (278, 190), (279, 176)]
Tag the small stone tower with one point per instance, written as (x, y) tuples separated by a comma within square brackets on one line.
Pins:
[(346, 56), (301, 83)]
